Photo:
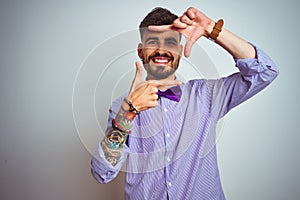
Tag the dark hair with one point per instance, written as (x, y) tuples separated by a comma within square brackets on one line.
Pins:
[(158, 16)]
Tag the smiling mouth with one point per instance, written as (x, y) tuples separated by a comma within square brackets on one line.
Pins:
[(161, 60)]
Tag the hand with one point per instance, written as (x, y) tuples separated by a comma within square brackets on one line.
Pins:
[(143, 94), (192, 24)]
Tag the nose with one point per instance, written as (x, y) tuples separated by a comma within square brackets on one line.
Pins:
[(161, 48)]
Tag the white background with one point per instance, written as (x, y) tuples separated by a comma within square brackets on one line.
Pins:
[(44, 43)]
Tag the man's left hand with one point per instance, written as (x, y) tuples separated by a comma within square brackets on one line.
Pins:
[(192, 24)]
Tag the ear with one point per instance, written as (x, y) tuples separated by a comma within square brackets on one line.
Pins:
[(140, 50)]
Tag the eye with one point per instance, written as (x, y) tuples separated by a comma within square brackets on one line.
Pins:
[(151, 42), (171, 42)]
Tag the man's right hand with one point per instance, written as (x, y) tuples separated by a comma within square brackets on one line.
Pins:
[(143, 94)]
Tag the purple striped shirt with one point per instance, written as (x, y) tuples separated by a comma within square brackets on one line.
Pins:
[(171, 152)]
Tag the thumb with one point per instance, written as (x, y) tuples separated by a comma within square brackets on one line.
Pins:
[(188, 47), (138, 78), (139, 72)]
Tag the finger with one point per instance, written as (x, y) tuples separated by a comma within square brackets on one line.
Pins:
[(191, 13), (152, 89), (185, 19), (138, 72), (158, 83), (188, 47), (149, 104), (138, 76), (179, 24), (155, 97), (160, 28)]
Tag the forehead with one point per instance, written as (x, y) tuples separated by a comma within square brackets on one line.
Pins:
[(161, 35)]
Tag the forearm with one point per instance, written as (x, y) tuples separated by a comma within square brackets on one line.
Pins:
[(112, 149), (114, 140), (236, 46)]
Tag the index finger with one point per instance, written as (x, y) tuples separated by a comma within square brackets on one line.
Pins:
[(161, 28), (158, 83)]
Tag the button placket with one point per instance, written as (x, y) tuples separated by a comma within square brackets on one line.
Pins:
[(168, 155)]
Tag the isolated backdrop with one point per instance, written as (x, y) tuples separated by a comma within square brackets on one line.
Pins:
[(44, 44)]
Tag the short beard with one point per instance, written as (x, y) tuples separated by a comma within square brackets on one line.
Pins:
[(159, 72)]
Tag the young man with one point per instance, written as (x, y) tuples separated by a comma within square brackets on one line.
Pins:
[(165, 129)]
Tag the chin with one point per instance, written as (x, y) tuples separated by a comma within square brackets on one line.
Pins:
[(159, 71), (161, 74)]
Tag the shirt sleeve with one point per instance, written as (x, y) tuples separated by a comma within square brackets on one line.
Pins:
[(101, 169), (253, 76)]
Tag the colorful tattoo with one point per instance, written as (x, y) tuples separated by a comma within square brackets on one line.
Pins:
[(125, 118), (116, 139), (113, 143), (112, 155), (116, 125)]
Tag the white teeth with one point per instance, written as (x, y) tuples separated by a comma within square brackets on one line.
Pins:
[(161, 60)]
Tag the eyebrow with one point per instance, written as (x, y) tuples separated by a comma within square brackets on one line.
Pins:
[(171, 39), (166, 39), (151, 38)]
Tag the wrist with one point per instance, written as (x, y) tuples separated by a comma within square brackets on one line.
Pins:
[(217, 28), (125, 117), (210, 28), (125, 106), (131, 107)]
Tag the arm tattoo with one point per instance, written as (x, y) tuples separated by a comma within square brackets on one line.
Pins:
[(113, 143)]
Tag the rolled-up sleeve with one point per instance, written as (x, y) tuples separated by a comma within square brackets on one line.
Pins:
[(101, 169), (262, 69), (253, 76)]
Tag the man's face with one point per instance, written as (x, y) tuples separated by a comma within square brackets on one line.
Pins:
[(161, 53)]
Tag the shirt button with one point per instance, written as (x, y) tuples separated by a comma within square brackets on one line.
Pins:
[(168, 159), (168, 135), (166, 110), (170, 184)]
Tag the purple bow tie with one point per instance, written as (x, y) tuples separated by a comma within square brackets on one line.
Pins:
[(173, 93)]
